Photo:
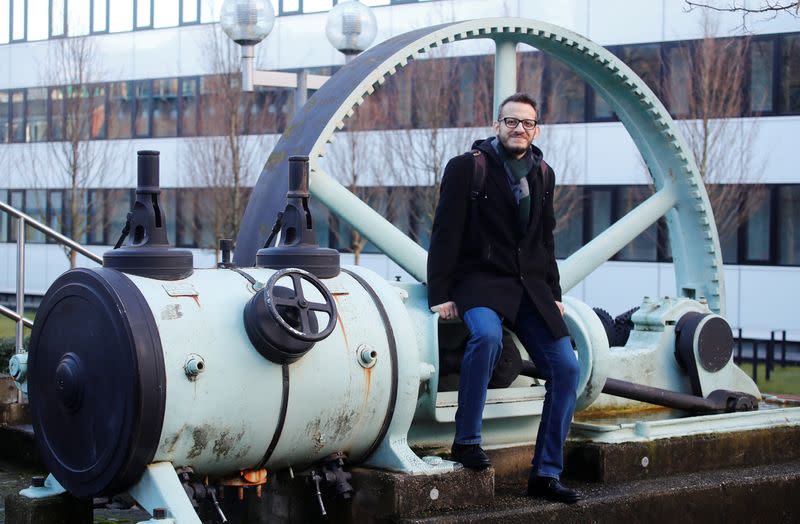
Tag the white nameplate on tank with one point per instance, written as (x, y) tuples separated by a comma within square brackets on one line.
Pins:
[(181, 289)]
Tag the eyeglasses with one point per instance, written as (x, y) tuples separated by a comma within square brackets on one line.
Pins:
[(512, 123)]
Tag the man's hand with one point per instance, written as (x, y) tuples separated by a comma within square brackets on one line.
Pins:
[(447, 311), (560, 307)]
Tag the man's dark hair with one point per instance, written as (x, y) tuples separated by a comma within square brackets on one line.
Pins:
[(522, 98)]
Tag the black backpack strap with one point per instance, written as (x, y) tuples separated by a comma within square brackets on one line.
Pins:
[(477, 185)]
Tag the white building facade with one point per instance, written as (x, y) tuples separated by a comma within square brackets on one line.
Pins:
[(152, 74)]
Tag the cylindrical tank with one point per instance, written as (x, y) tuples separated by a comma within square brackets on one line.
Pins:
[(127, 370)]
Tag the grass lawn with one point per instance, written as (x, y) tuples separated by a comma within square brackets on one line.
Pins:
[(8, 328), (782, 380)]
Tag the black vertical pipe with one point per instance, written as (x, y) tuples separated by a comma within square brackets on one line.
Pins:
[(783, 349), (769, 356), (755, 361), (148, 173)]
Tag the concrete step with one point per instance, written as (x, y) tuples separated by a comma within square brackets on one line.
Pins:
[(753, 494)]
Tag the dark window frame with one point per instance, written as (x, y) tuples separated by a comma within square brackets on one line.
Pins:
[(11, 39), (181, 21), (91, 17), (136, 26)]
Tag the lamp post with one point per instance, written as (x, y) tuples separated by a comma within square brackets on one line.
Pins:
[(351, 28), (247, 22)]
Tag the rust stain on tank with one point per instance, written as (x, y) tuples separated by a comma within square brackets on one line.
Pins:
[(339, 319), (368, 382)]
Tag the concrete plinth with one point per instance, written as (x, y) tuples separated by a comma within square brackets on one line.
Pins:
[(62, 509)]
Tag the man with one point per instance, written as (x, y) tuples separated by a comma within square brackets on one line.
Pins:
[(492, 261)]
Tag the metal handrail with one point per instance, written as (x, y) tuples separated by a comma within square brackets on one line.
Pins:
[(24, 219)]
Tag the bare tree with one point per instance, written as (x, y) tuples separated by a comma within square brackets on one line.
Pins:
[(220, 162), (76, 162), (707, 88), (768, 8)]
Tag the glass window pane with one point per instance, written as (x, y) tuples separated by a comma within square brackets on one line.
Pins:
[(212, 117), (76, 107), (169, 207), (120, 110), (189, 107), (57, 113), (643, 247), (565, 99), (5, 13), (97, 111), (645, 60), (757, 227), (4, 217), (17, 19), (18, 116), (600, 108), (57, 17), (118, 203), (190, 11), (568, 208), (789, 225), (120, 16), (315, 6), (100, 16), (37, 23), (790, 74), (761, 74), (144, 17), (37, 114), (142, 116), (188, 221), (55, 211), (290, 6), (96, 216), (78, 17), (601, 206), (36, 207), (165, 107), (679, 65), (166, 13), (5, 113), (210, 9), (17, 200)]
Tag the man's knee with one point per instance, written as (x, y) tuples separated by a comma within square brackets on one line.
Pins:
[(568, 368), (487, 338)]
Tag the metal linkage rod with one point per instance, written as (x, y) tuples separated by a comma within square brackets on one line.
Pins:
[(20, 282), (9, 313)]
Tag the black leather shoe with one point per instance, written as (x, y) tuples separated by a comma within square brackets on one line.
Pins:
[(470, 455), (551, 489)]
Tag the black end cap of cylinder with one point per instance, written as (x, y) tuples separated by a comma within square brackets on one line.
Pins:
[(269, 339), (322, 262), (156, 263)]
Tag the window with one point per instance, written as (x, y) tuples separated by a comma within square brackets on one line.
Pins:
[(530, 75), (76, 106), (37, 24), (55, 210), (761, 76), (565, 94), (601, 209), (99, 16), (166, 13), (17, 200), (188, 107), (165, 107), (643, 247), (316, 6), (18, 116), (18, 16), (645, 60), (58, 18), (190, 11), (789, 225), (4, 217), (120, 110), (188, 215), (143, 13), (289, 6), (79, 17), (790, 74), (118, 203), (210, 9), (97, 111), (120, 16), (96, 216), (5, 114), (57, 115), (757, 227), (141, 119), (568, 203), (37, 114), (36, 207), (5, 21), (678, 82)]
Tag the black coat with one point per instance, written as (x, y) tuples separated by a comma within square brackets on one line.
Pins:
[(492, 263)]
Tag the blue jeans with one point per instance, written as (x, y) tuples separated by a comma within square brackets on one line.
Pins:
[(554, 358)]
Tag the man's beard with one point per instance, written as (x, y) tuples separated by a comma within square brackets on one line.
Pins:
[(513, 149)]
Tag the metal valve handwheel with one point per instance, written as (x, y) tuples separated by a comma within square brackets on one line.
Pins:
[(300, 304)]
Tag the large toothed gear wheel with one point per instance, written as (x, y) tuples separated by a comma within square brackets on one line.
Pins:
[(680, 195)]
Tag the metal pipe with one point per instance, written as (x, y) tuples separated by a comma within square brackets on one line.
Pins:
[(301, 93), (9, 313), (51, 233), (505, 72), (20, 281), (658, 396), (248, 66)]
